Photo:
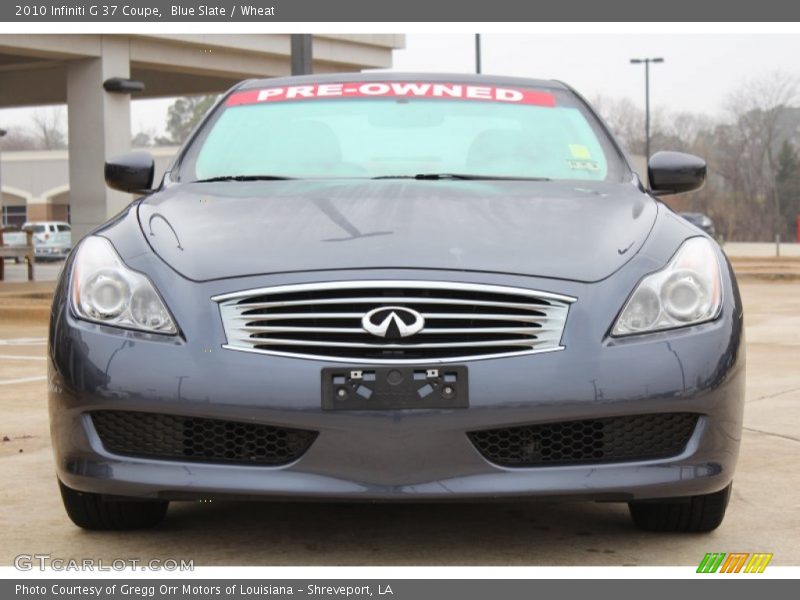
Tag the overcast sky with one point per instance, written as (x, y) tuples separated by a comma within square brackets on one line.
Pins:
[(698, 72)]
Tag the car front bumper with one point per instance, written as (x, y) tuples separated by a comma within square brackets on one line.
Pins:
[(396, 454), (51, 251)]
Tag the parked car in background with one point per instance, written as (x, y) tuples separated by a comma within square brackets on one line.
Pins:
[(51, 239), (16, 239), (702, 221), (398, 287)]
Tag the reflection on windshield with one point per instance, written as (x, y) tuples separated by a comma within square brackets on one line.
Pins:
[(388, 138)]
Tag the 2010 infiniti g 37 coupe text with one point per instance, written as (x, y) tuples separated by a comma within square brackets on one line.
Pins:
[(398, 287)]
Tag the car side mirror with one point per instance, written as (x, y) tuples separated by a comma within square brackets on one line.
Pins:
[(675, 172), (132, 172)]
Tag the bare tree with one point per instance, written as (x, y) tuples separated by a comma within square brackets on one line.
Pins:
[(683, 131), (17, 139), (624, 119), (752, 143), (751, 183), (49, 128)]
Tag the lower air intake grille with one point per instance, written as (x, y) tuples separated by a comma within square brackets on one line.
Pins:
[(611, 439), (170, 437)]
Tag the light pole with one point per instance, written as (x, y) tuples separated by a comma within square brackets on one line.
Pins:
[(478, 53), (646, 62), (3, 132)]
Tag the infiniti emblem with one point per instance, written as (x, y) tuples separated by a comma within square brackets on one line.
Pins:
[(392, 322)]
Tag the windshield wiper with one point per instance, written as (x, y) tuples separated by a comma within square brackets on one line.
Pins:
[(244, 178), (464, 176)]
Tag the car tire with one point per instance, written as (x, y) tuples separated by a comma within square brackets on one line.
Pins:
[(106, 513), (695, 514)]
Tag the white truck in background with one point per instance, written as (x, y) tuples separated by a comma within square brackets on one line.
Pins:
[(51, 239)]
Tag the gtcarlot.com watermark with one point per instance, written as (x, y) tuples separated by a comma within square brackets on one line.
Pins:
[(43, 562)]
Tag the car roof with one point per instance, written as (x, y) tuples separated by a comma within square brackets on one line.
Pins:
[(383, 76)]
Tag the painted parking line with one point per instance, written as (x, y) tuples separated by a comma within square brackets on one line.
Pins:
[(22, 380), (24, 342), (21, 357)]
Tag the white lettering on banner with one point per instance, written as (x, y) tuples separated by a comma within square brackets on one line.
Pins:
[(268, 93), (413, 89), (305, 91), (402, 89), (509, 95), (334, 89), (453, 91), (374, 89)]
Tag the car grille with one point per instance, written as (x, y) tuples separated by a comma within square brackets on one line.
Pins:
[(170, 437), (462, 321), (638, 437)]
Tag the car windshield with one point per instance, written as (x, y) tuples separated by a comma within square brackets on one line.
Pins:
[(406, 129)]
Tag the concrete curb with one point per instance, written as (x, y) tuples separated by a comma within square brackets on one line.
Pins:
[(28, 314)]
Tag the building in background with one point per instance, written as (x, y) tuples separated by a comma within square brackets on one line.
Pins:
[(36, 184), (72, 69)]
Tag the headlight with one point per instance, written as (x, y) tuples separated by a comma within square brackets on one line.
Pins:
[(685, 292), (105, 291)]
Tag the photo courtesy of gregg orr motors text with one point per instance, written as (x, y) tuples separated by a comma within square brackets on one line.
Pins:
[(227, 590)]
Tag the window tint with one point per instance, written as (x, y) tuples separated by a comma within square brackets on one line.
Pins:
[(366, 137)]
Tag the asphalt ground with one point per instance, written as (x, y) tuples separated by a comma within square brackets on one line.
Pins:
[(42, 271), (764, 513)]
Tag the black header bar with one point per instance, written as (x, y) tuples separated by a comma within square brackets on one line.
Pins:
[(444, 11)]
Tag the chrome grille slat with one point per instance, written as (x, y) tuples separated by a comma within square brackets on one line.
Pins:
[(358, 330), (463, 321), (427, 315), (552, 317), (487, 344), (388, 300)]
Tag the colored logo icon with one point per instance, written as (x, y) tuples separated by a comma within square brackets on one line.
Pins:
[(734, 562)]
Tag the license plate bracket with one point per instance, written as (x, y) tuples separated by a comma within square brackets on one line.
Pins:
[(394, 388)]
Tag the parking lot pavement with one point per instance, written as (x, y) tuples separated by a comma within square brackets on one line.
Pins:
[(763, 514), (43, 271)]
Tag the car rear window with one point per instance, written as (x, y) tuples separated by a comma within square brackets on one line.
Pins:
[(484, 131), (63, 228)]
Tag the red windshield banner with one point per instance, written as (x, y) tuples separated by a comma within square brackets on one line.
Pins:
[(396, 89)]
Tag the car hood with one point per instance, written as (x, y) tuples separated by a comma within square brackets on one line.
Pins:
[(577, 232)]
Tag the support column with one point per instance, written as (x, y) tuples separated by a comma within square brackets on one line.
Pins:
[(302, 54), (99, 128)]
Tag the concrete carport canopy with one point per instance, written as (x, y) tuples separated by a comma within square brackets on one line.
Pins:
[(71, 69)]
